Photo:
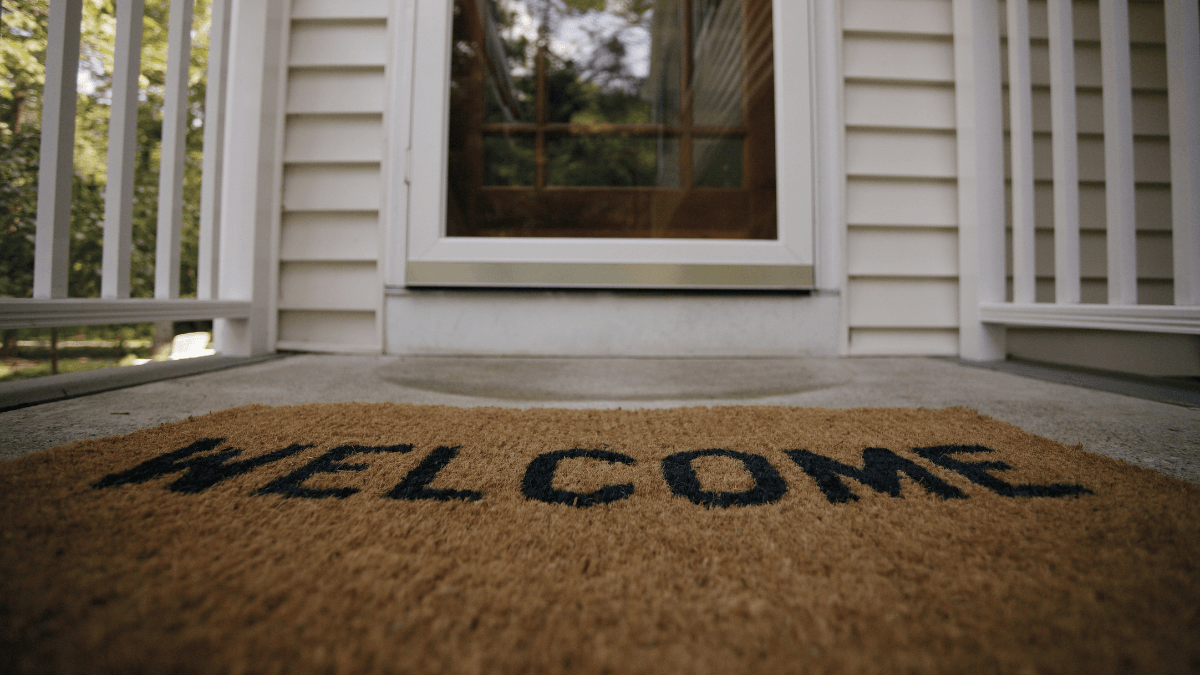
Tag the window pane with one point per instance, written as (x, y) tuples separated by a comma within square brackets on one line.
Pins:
[(717, 69), (640, 108), (717, 162), (603, 161), (508, 160)]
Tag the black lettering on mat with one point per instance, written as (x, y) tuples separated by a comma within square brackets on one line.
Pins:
[(539, 477), (413, 487), (330, 462), (977, 473), (681, 477), (881, 472), (199, 473)]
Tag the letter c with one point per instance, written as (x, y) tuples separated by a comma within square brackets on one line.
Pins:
[(539, 477)]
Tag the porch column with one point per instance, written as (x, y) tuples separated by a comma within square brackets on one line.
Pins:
[(981, 275), (252, 174)]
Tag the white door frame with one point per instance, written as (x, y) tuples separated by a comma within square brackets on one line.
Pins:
[(419, 254)]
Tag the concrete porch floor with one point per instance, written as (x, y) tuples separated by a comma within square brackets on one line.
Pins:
[(1160, 436)]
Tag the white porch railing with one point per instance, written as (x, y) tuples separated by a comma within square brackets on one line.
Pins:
[(984, 307), (232, 226)]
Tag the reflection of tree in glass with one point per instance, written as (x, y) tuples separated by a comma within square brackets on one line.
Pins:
[(598, 87), (613, 161), (605, 64), (508, 160)]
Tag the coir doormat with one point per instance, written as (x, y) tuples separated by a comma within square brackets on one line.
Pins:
[(357, 538)]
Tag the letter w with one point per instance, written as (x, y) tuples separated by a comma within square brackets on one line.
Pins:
[(199, 473), (881, 472)]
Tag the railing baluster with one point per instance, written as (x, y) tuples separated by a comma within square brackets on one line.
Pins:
[(1121, 312), (1120, 215), (262, 31), (122, 144), (1066, 158), (214, 142), (1020, 105), (57, 162), (174, 132), (1183, 82)]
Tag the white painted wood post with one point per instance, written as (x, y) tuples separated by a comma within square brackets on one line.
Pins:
[(402, 28), (1065, 147), (829, 139), (1183, 82), (174, 150), (251, 175), (57, 161), (980, 175), (207, 287), (122, 147), (1120, 214), (1020, 102)]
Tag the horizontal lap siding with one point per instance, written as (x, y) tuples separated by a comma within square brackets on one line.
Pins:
[(327, 285), (901, 199), (330, 290), (901, 194), (1151, 148), (342, 331), (330, 235)]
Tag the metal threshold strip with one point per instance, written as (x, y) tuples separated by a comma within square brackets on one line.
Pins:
[(609, 275)]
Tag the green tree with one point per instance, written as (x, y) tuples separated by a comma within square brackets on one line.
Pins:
[(22, 54), (22, 39)]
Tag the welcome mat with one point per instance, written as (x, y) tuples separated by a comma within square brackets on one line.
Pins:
[(357, 538)]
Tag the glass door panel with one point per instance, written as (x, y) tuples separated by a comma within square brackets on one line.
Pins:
[(609, 144), (617, 119)]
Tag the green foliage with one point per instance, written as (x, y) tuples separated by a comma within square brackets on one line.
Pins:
[(64, 366), (598, 90), (584, 5), (18, 210), (87, 235), (628, 8), (607, 161), (22, 54), (122, 332)]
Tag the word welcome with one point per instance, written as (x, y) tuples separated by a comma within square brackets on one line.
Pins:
[(201, 469)]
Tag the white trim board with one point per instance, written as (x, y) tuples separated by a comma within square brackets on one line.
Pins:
[(571, 323), (1148, 318), (37, 313)]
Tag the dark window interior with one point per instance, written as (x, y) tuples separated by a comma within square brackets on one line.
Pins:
[(612, 118)]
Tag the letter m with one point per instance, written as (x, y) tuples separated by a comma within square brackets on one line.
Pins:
[(881, 472), (200, 471)]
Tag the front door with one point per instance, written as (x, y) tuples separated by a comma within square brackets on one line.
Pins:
[(611, 143)]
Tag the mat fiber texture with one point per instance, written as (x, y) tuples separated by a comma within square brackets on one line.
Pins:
[(355, 538)]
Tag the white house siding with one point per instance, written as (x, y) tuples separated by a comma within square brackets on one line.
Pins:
[(901, 208), (330, 290), (901, 245), (901, 204)]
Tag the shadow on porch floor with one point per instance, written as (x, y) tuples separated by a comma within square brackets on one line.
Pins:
[(1158, 435)]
